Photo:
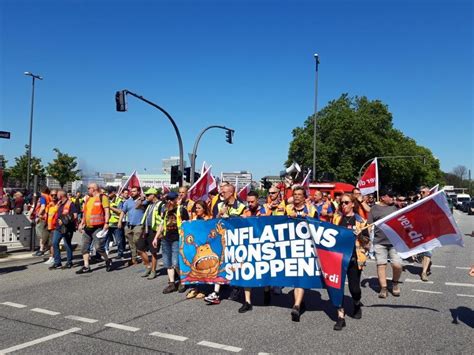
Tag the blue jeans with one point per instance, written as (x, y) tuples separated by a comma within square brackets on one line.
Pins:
[(115, 234), (170, 252), (57, 236)]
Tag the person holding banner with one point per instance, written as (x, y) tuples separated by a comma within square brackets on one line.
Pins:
[(275, 205), (383, 247), (200, 212), (299, 208), (427, 255), (347, 218)]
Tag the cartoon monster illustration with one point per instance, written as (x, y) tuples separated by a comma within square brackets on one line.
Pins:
[(206, 264)]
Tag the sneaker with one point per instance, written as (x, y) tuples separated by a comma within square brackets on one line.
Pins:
[(84, 270), (383, 293), (147, 272), (295, 314), (181, 288), (55, 267), (245, 307), (266, 298), (341, 323), (212, 298), (160, 263), (192, 294), (108, 265), (49, 261), (424, 277), (132, 262), (357, 311), (67, 266), (38, 253), (152, 275), (235, 294), (170, 288), (396, 289)]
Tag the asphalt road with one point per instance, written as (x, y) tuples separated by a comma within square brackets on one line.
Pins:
[(58, 311)]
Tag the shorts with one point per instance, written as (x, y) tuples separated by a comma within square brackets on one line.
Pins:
[(170, 253), (429, 254), (43, 233), (90, 236), (385, 252), (145, 242)]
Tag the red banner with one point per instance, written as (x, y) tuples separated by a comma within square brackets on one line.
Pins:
[(369, 182), (200, 189), (423, 226)]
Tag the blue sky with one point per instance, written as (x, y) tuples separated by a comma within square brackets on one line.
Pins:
[(245, 64)]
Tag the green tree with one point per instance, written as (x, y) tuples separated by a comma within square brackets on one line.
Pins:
[(16, 175), (62, 168), (351, 131)]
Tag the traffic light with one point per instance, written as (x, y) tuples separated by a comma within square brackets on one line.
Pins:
[(187, 174), (229, 135), (120, 101), (175, 174), (265, 183)]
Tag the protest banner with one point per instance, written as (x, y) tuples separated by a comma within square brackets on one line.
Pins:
[(266, 251), (421, 227)]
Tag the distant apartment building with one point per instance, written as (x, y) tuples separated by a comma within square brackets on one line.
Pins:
[(166, 164), (237, 178), (52, 183)]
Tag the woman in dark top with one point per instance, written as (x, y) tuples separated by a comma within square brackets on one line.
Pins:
[(346, 217)]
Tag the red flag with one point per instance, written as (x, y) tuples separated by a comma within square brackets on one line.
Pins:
[(242, 194), (213, 183), (200, 189), (434, 189), (132, 181), (369, 182), (305, 183), (164, 189), (423, 226)]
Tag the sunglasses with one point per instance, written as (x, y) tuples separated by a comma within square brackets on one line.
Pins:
[(345, 202), (273, 192)]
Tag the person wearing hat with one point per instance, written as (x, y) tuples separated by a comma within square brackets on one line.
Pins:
[(115, 233), (168, 231), (150, 222), (384, 250)]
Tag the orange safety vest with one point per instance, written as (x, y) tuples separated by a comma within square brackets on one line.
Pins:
[(96, 216), (359, 225), (325, 208), (53, 223), (48, 199), (52, 210)]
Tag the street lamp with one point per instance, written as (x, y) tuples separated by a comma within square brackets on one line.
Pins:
[(316, 58), (121, 106), (28, 171), (229, 136)]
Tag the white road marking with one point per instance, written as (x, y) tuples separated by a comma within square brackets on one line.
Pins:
[(11, 304), (439, 266), (45, 311), (219, 346), (169, 336), (458, 284), (38, 341), (82, 319), (415, 280), (426, 291), (463, 268), (461, 295), (122, 327)]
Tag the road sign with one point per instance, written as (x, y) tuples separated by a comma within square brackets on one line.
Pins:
[(4, 134)]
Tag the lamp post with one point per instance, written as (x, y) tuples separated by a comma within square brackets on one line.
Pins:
[(28, 168), (316, 57), (229, 134), (121, 106)]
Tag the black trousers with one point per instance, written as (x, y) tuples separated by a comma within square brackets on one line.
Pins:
[(353, 278)]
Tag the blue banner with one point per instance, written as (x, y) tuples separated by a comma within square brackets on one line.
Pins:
[(267, 251)]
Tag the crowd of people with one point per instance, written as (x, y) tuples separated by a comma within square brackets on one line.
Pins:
[(149, 221)]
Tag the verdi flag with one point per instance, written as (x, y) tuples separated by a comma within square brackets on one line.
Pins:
[(164, 189), (369, 182), (132, 181), (423, 226), (306, 182), (434, 189), (242, 194), (200, 189), (213, 182), (266, 251)]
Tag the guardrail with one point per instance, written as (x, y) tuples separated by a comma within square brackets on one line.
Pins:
[(15, 232)]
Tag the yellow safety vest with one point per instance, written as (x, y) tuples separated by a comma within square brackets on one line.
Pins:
[(155, 215)]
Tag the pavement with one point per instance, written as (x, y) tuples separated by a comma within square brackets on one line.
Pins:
[(54, 312)]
